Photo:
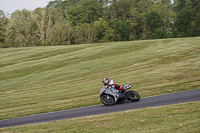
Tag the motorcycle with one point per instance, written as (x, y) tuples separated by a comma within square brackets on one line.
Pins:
[(110, 96)]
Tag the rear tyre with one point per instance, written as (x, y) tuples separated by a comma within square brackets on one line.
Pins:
[(133, 95), (107, 100)]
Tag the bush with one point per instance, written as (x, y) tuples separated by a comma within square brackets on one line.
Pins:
[(159, 33)]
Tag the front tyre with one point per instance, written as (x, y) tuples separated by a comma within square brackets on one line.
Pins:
[(107, 100), (133, 95)]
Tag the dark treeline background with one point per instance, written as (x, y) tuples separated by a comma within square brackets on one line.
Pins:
[(89, 21)]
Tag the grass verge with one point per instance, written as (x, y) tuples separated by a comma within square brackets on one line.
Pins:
[(178, 118)]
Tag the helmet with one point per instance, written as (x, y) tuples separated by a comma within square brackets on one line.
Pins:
[(105, 81)]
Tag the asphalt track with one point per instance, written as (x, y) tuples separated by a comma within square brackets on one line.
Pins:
[(159, 100)]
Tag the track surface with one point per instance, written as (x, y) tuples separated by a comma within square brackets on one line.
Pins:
[(159, 100)]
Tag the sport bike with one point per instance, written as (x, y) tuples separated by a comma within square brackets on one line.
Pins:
[(110, 96)]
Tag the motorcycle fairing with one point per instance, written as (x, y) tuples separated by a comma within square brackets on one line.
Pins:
[(113, 92)]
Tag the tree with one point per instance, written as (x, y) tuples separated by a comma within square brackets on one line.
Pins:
[(61, 7), (183, 20), (88, 21), (166, 2), (61, 32), (187, 20), (107, 10), (143, 8), (121, 32), (43, 18), (104, 32), (179, 5), (121, 9), (87, 11), (90, 32), (3, 23), (19, 29), (161, 18), (159, 33), (195, 27), (166, 13), (78, 34), (153, 21), (133, 21)]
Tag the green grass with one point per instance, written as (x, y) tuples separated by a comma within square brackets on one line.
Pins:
[(36, 80), (178, 118)]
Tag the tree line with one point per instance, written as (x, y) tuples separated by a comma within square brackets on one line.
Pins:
[(88, 21)]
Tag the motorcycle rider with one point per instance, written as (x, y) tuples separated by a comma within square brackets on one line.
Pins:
[(110, 83)]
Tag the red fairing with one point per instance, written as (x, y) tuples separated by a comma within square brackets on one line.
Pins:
[(120, 88)]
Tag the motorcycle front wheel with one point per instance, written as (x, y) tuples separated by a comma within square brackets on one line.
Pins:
[(107, 100), (133, 95)]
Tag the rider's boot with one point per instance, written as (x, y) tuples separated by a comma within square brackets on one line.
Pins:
[(123, 90)]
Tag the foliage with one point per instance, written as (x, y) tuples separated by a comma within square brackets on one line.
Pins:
[(19, 29), (3, 23), (88, 21), (159, 33), (154, 21), (61, 33), (120, 30), (187, 18), (87, 11)]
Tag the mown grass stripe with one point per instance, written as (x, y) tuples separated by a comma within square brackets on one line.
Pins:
[(36, 80)]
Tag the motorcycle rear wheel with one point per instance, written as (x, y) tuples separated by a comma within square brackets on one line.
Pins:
[(133, 96), (107, 100)]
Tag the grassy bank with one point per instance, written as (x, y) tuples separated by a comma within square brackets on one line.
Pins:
[(36, 80), (179, 118)]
